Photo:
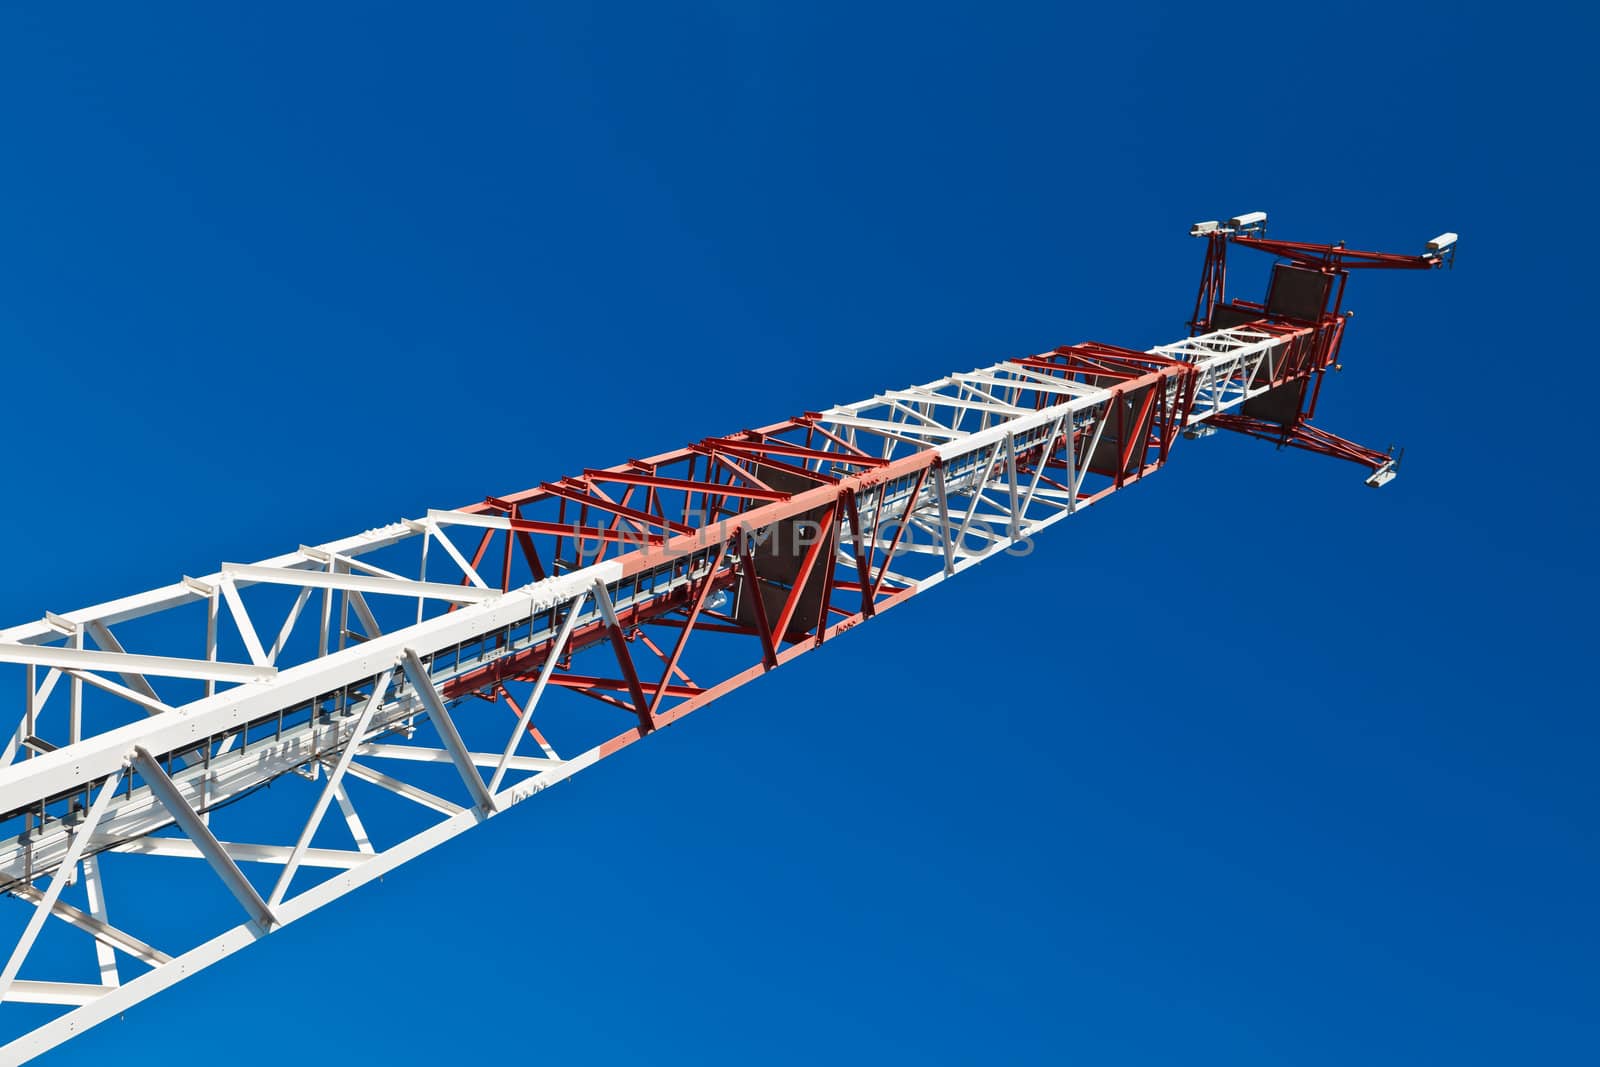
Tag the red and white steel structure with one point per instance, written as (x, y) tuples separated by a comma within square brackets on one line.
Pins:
[(404, 684)]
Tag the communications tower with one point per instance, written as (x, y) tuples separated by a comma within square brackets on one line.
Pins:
[(402, 685)]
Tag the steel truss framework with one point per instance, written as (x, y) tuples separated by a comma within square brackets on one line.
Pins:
[(401, 686), (1313, 278)]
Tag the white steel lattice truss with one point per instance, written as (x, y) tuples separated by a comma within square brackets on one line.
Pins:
[(350, 678)]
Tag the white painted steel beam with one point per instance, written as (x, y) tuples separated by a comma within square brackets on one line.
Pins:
[(125, 664), (361, 583), (210, 848)]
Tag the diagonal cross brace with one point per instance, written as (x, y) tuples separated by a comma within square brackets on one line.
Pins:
[(211, 849), (335, 781), (574, 609), (58, 881), (417, 675)]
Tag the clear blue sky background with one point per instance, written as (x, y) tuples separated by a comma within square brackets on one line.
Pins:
[(1251, 765)]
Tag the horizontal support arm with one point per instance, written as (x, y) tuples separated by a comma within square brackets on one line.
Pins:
[(125, 663)]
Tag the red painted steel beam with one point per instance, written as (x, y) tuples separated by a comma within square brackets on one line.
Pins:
[(685, 484), (1336, 256), (782, 448), (616, 685), (697, 606), (588, 498)]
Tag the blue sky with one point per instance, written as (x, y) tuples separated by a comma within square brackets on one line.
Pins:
[(1251, 765)]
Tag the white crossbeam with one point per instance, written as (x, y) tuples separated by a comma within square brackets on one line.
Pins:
[(123, 663), (361, 583)]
